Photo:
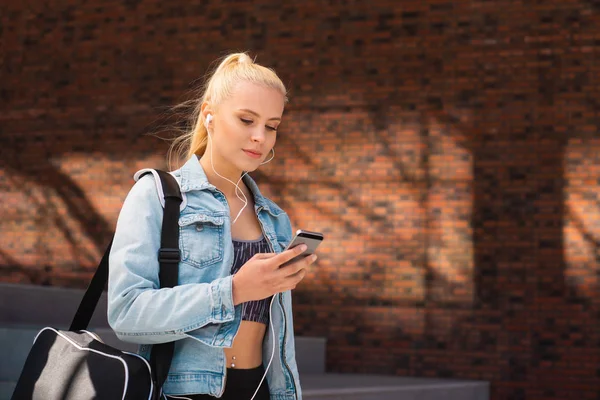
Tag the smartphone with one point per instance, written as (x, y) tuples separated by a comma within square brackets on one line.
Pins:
[(311, 239)]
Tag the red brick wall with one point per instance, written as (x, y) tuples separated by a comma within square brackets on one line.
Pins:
[(448, 150)]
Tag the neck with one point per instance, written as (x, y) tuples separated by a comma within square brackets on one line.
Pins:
[(224, 170)]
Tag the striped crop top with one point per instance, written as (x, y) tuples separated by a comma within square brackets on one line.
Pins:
[(243, 250)]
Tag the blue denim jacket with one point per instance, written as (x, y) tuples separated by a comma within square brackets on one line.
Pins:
[(198, 314)]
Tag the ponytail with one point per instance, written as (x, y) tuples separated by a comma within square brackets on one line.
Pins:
[(233, 68)]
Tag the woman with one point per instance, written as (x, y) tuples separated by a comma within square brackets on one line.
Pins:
[(232, 242)]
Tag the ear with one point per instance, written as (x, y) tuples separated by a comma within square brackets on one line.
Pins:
[(206, 109)]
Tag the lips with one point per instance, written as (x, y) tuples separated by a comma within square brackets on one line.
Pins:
[(252, 153)]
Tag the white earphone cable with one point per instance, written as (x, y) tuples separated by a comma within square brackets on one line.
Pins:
[(237, 188), (273, 352), (245, 200)]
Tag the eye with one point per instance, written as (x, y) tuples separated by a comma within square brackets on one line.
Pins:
[(246, 121), (271, 128)]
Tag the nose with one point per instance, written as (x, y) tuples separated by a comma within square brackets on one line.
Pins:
[(258, 135)]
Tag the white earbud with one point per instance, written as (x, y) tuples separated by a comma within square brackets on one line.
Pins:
[(208, 119)]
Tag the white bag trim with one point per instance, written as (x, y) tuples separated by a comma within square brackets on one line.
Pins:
[(159, 189), (125, 367)]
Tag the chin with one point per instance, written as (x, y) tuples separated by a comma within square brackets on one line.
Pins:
[(251, 167), (246, 166)]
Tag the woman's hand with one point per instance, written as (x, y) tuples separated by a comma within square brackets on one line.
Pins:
[(262, 276)]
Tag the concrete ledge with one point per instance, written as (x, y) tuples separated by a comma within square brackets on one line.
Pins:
[(314, 387), (6, 390), (25, 309), (34, 307), (373, 387), (16, 341), (44, 305)]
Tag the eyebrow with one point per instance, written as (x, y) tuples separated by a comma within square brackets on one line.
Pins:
[(257, 115)]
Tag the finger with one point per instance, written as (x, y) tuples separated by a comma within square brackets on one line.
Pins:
[(287, 255), (293, 268), (292, 281)]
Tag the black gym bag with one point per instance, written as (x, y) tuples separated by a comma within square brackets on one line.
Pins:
[(77, 365)]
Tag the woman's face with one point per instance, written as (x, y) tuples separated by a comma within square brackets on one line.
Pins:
[(244, 127)]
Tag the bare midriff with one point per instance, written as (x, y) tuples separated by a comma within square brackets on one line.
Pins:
[(248, 343), (247, 346)]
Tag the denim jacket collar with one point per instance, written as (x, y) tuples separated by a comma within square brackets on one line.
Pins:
[(193, 177)]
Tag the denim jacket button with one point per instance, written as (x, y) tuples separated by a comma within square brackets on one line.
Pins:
[(199, 227)]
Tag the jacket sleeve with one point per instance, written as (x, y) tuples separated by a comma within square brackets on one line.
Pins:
[(138, 309)]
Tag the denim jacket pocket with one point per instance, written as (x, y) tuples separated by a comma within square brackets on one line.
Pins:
[(201, 239)]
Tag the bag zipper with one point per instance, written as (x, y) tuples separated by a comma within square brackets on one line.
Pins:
[(94, 335)]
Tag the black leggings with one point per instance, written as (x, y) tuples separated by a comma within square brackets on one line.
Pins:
[(241, 385)]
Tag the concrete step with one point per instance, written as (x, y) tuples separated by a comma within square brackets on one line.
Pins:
[(16, 341), (374, 387), (32, 307), (44, 306), (6, 390), (369, 387), (25, 309)]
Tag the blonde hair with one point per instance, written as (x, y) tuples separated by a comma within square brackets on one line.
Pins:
[(232, 69)]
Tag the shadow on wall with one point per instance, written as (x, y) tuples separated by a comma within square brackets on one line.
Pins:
[(472, 235), (461, 220), (56, 231), (526, 255)]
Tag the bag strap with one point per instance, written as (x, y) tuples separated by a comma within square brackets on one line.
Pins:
[(168, 258), (90, 299)]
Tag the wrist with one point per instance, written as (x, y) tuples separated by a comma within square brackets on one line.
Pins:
[(235, 291)]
